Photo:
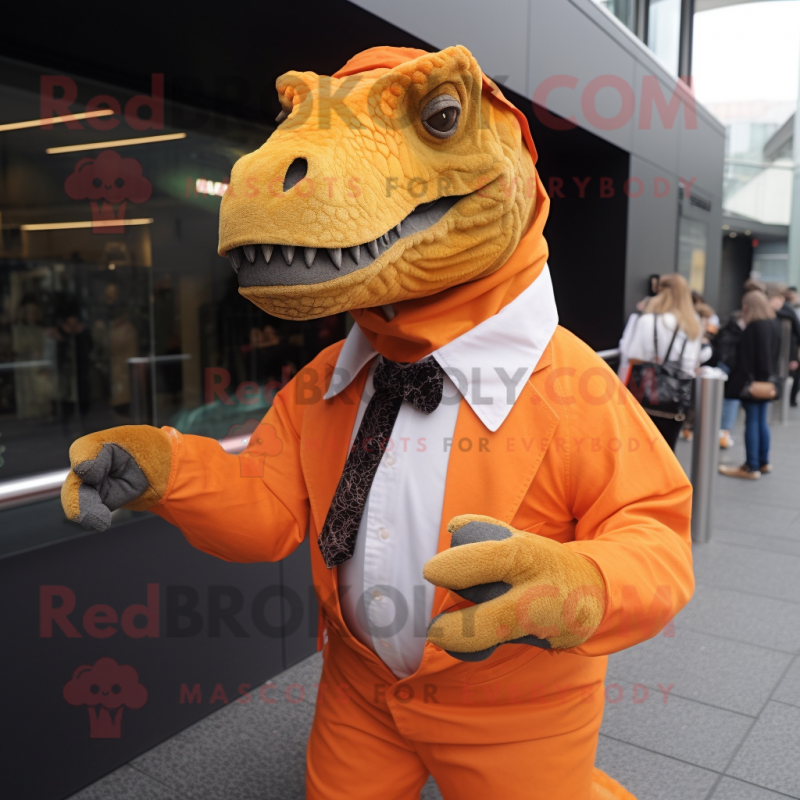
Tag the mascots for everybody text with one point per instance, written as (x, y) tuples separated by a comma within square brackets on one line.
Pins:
[(490, 513)]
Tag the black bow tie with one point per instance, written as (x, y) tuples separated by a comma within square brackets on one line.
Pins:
[(421, 385)]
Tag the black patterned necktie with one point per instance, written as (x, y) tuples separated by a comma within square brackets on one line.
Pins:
[(421, 385)]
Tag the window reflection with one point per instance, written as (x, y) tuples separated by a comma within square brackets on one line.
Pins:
[(114, 307), (664, 31), (623, 10), (692, 252)]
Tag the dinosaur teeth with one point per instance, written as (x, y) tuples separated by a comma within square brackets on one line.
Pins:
[(235, 256)]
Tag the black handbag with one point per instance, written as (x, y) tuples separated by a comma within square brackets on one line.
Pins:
[(663, 389)]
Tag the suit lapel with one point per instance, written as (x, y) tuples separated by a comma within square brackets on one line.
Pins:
[(325, 443), (489, 473)]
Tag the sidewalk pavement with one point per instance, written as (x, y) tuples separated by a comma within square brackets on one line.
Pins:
[(729, 728)]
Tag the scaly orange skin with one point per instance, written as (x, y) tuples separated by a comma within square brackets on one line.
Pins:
[(371, 162)]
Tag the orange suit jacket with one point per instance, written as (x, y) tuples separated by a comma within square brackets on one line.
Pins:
[(577, 460)]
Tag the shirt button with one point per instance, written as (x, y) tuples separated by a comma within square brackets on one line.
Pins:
[(376, 595), (383, 533), (390, 460)]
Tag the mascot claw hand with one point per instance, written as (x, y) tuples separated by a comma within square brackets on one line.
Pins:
[(121, 467), (527, 590)]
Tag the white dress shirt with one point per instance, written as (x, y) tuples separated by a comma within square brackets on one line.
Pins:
[(386, 602), (637, 342)]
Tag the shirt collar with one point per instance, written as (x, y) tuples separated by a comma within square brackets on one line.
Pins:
[(489, 364)]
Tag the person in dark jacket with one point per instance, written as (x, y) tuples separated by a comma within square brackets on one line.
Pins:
[(779, 300), (725, 344), (756, 360)]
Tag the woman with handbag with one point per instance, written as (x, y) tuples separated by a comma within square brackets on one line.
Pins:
[(755, 381), (662, 349)]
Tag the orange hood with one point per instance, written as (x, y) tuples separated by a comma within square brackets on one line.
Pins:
[(426, 324)]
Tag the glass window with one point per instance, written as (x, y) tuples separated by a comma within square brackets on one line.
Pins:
[(623, 10), (771, 261), (114, 305), (692, 250), (664, 31)]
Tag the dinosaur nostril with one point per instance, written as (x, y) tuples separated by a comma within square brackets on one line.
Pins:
[(296, 172)]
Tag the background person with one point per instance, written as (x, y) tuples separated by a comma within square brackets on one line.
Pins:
[(756, 360), (707, 314), (726, 343), (754, 285), (669, 314), (779, 300), (709, 327)]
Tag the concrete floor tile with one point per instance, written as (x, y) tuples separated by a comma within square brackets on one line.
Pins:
[(788, 690), (248, 751), (650, 776), (683, 729), (126, 783), (729, 789), (756, 572), (744, 618), (770, 756), (758, 541), (738, 677), (430, 791), (748, 512), (771, 498), (303, 678)]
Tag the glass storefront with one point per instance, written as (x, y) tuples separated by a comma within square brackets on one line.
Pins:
[(114, 305)]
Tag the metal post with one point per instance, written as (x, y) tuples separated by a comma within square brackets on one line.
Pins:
[(785, 400), (687, 36), (779, 411), (709, 390)]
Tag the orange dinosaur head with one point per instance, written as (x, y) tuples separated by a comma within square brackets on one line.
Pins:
[(381, 184)]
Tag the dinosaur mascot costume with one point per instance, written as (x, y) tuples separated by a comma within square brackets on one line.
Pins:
[(490, 512)]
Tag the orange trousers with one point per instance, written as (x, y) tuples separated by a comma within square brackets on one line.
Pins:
[(358, 749)]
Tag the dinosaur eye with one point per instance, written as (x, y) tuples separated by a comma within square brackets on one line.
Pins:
[(440, 116)]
